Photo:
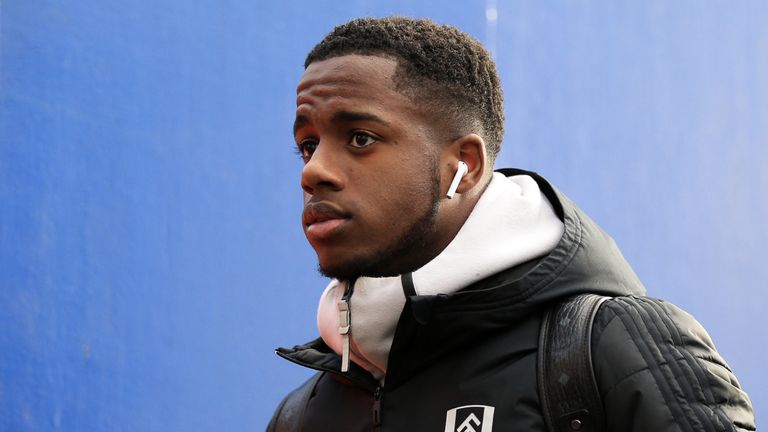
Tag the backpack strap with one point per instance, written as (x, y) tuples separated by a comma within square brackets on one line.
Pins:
[(289, 416), (567, 388)]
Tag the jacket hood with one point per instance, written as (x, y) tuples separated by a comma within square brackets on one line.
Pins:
[(585, 260)]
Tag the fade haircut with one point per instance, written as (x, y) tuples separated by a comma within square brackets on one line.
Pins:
[(440, 68)]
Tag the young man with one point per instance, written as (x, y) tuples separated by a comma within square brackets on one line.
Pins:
[(443, 269)]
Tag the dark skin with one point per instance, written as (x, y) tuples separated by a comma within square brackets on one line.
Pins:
[(376, 171)]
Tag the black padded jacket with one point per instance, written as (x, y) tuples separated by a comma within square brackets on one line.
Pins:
[(467, 361)]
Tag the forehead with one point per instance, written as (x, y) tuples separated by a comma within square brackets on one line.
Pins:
[(358, 77)]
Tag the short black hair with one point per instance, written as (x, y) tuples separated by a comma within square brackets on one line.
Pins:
[(439, 67)]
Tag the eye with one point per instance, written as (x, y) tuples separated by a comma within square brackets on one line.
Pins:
[(362, 140), (306, 148)]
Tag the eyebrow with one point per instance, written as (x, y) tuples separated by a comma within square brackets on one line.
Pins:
[(340, 117), (349, 117), (300, 122)]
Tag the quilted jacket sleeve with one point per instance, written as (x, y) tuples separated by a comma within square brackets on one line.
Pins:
[(658, 370)]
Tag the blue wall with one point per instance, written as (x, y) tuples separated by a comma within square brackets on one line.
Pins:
[(151, 255)]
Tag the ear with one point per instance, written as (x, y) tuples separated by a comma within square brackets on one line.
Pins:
[(470, 149)]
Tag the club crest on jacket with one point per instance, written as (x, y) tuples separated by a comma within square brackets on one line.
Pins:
[(469, 418)]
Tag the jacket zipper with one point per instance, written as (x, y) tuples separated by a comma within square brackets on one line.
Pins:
[(345, 326), (377, 396)]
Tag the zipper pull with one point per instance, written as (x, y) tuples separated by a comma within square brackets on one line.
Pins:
[(344, 325), (377, 394)]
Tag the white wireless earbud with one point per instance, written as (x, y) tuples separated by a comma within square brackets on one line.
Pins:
[(461, 171)]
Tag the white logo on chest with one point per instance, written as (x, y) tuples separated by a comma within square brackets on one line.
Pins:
[(470, 418)]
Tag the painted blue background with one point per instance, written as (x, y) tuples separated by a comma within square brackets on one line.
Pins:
[(151, 255)]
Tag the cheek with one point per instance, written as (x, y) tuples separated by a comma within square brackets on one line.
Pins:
[(393, 194), (405, 197)]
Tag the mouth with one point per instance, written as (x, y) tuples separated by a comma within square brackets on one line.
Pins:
[(323, 220)]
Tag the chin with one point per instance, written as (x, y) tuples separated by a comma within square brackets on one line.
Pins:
[(339, 273), (346, 270), (355, 269)]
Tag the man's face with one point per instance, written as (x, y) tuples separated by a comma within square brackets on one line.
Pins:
[(370, 179)]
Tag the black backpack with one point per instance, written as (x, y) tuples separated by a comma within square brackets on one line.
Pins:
[(568, 390)]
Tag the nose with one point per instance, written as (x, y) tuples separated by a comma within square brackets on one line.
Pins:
[(322, 171)]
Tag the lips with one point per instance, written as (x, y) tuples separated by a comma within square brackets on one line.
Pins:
[(323, 220)]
